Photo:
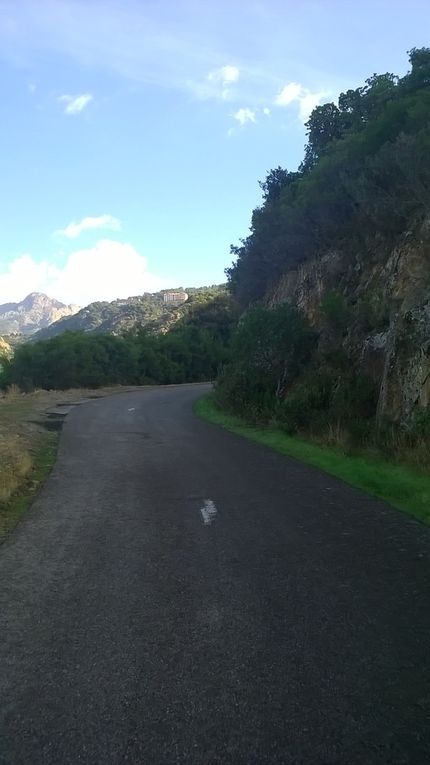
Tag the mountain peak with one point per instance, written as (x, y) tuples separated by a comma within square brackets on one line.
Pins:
[(36, 311)]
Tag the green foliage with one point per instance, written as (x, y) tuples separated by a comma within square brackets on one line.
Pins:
[(373, 312), (420, 427), (364, 180), (306, 407), (335, 310), (191, 351), (326, 398), (366, 173), (278, 374), (269, 349)]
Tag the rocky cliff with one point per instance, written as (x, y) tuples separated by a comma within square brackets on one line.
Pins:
[(385, 326), (32, 313)]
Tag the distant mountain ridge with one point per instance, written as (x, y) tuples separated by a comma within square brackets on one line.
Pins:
[(33, 313), (149, 310)]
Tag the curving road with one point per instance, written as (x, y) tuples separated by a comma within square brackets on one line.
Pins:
[(180, 595)]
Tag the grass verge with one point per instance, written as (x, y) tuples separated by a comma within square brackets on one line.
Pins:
[(402, 487)]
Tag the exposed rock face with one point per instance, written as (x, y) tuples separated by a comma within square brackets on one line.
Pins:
[(388, 331), (33, 313)]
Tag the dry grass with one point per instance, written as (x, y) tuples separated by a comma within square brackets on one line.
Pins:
[(25, 442), (15, 465)]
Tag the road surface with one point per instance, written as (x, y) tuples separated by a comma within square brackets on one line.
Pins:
[(180, 595)]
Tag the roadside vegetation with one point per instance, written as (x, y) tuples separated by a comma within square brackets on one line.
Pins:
[(400, 485), (28, 446), (279, 375), (364, 181)]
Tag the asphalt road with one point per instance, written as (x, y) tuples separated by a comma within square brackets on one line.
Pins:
[(180, 595)]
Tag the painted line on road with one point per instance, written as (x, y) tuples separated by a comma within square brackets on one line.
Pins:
[(208, 512)]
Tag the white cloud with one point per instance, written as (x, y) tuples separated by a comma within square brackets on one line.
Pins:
[(225, 75), (266, 111), (106, 271), (288, 94), (308, 103), (88, 224), (75, 104), (293, 92), (217, 84), (23, 276), (244, 115)]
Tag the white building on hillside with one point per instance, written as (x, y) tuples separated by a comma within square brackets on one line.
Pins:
[(175, 297)]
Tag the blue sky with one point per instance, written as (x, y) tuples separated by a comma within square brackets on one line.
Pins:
[(134, 133)]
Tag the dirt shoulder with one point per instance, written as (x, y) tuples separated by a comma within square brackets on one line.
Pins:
[(30, 425)]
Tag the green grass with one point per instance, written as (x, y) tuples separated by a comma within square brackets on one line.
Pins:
[(401, 486), (43, 461)]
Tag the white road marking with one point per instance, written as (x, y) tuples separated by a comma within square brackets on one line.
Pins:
[(132, 409), (208, 512)]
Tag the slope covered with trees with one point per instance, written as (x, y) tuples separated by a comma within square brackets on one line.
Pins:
[(365, 175), (193, 350), (118, 316), (334, 277)]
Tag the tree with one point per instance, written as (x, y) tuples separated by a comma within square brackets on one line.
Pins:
[(419, 75), (324, 126)]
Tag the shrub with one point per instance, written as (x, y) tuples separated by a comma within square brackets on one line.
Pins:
[(335, 311)]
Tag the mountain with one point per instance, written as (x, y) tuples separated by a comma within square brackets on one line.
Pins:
[(149, 310), (31, 314)]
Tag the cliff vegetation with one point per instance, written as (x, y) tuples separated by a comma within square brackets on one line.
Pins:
[(334, 277)]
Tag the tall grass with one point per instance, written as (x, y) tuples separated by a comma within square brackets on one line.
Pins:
[(16, 463)]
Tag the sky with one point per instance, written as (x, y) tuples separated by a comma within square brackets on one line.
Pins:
[(134, 132)]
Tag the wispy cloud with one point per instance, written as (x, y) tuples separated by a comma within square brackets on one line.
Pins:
[(75, 104), (217, 84), (223, 78), (224, 75), (190, 50), (294, 93), (289, 94), (74, 230), (245, 115)]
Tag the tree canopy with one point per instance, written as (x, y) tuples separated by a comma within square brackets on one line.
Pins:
[(366, 171)]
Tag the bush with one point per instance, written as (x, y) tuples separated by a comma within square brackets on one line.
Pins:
[(420, 427), (335, 311), (307, 406)]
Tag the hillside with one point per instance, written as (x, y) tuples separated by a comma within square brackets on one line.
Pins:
[(193, 350), (31, 314), (148, 310), (335, 274)]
